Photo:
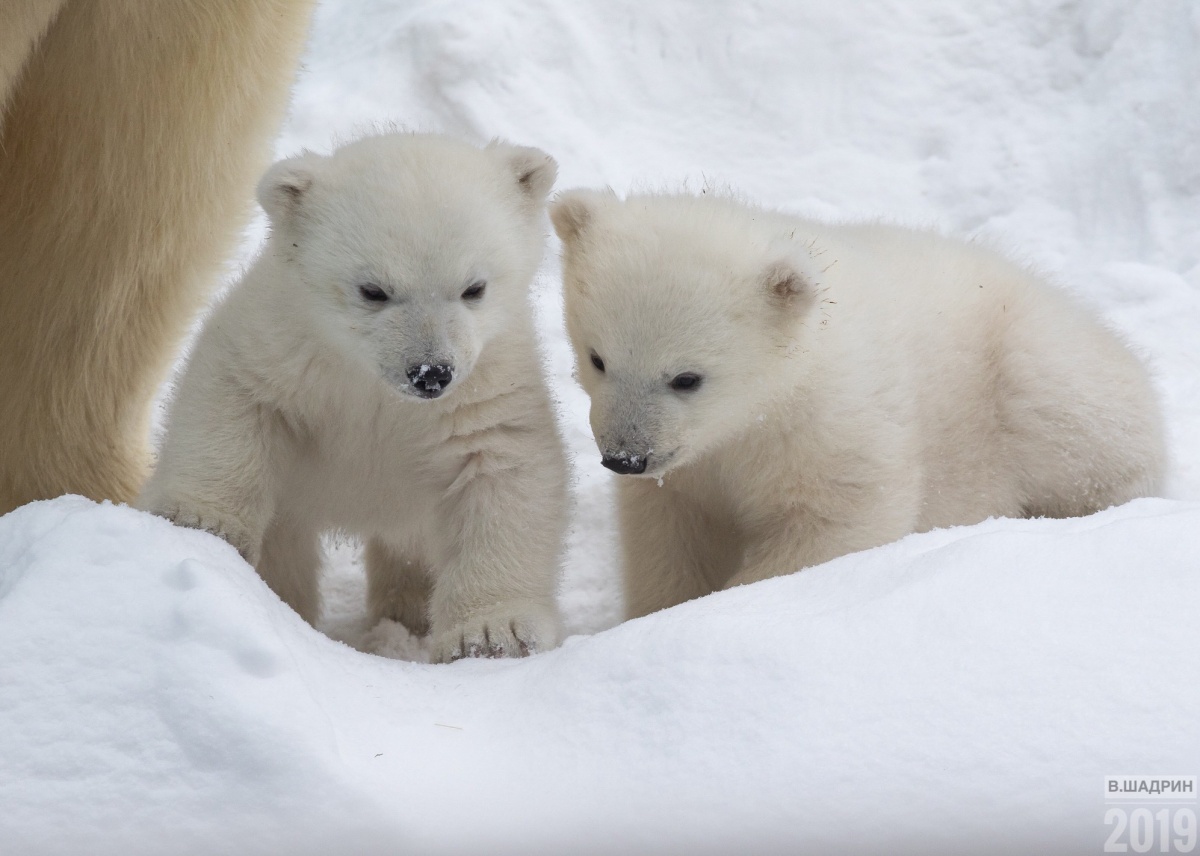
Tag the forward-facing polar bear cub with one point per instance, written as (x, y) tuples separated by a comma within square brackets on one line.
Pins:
[(376, 372), (791, 391)]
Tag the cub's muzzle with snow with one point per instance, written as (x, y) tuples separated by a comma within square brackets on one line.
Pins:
[(376, 372), (791, 391)]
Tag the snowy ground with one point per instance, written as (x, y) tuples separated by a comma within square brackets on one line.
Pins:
[(961, 691)]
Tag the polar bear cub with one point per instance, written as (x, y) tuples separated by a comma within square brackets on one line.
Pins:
[(777, 392), (376, 372)]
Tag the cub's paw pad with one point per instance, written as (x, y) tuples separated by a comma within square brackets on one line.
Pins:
[(511, 632)]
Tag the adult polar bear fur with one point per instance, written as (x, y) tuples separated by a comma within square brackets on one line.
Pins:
[(778, 392), (376, 372), (131, 135)]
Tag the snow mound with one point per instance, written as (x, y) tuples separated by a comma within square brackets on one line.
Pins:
[(961, 691), (961, 688)]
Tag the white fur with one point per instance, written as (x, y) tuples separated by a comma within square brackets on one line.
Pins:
[(860, 382), (296, 414)]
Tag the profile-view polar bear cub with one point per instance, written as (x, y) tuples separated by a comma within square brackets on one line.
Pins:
[(376, 372), (778, 392)]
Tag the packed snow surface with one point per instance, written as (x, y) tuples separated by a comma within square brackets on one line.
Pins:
[(961, 691), (968, 685)]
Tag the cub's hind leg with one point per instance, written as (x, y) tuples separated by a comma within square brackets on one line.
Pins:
[(398, 587), (1084, 421)]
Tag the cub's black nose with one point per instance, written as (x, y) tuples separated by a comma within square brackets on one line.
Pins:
[(430, 381), (625, 464)]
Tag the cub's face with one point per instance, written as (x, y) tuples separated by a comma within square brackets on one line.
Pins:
[(412, 251), (680, 333)]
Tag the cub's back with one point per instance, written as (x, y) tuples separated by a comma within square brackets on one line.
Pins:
[(1009, 375)]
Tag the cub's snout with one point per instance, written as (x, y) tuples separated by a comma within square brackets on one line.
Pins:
[(429, 380), (625, 463)]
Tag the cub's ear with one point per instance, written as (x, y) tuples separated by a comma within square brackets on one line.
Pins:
[(790, 280), (533, 170), (573, 211), (282, 189)]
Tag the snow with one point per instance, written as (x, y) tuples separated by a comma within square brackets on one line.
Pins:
[(932, 691), (961, 691)]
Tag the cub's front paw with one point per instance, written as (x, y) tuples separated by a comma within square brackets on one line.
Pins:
[(514, 629), (223, 528)]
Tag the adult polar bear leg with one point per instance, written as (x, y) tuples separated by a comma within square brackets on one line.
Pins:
[(399, 587), (22, 25), (672, 552), (134, 134), (495, 577)]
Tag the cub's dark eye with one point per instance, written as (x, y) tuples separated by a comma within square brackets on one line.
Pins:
[(474, 290), (598, 363), (373, 293), (686, 382)]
